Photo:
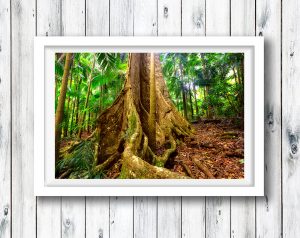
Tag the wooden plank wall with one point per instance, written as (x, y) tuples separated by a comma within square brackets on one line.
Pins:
[(274, 215)]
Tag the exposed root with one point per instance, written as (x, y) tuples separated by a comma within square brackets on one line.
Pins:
[(203, 168)]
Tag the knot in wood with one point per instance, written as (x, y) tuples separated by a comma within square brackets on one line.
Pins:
[(294, 148), (68, 222), (270, 120), (260, 33), (166, 10), (100, 233), (5, 210)]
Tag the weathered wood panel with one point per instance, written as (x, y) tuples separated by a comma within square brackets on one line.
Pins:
[(218, 208), (23, 201), (290, 117), (121, 217), (169, 217), (97, 17), (169, 17), (268, 208), (242, 208), (121, 17), (48, 23), (5, 120)]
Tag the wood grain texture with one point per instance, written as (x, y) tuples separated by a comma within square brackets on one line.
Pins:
[(121, 17), (97, 217), (145, 217), (290, 117), (97, 17), (145, 18), (193, 217), (268, 208), (5, 120), (169, 217), (218, 17), (193, 17), (169, 17), (23, 200), (48, 23), (218, 208), (73, 217), (242, 24), (121, 217)]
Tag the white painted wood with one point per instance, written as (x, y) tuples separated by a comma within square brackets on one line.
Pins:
[(217, 17), (121, 217), (23, 200), (73, 17), (97, 17), (121, 17), (5, 120), (145, 208), (145, 18), (217, 217), (193, 17), (48, 19), (193, 208), (242, 18), (169, 217), (97, 217), (145, 217), (73, 217), (268, 208), (97, 208), (193, 217), (169, 17), (73, 208), (217, 208), (290, 117), (242, 217), (48, 217), (242, 208), (48, 208)]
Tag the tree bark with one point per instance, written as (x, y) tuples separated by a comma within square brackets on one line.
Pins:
[(152, 111), (61, 103)]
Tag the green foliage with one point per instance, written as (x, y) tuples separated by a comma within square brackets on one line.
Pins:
[(215, 81), (107, 80)]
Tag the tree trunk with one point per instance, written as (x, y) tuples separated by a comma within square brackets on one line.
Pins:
[(195, 96), (152, 111), (67, 116), (61, 103), (123, 127), (81, 126), (191, 103)]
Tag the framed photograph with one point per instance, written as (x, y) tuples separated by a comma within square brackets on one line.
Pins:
[(149, 116)]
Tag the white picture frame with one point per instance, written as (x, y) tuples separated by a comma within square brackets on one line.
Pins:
[(45, 183)]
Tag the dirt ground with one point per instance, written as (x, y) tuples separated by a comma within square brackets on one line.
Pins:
[(217, 146)]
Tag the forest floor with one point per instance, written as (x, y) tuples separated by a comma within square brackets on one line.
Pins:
[(218, 146), (215, 150)]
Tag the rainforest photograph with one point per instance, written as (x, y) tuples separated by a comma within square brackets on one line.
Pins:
[(149, 115)]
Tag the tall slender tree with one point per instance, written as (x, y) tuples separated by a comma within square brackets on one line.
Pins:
[(59, 114)]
